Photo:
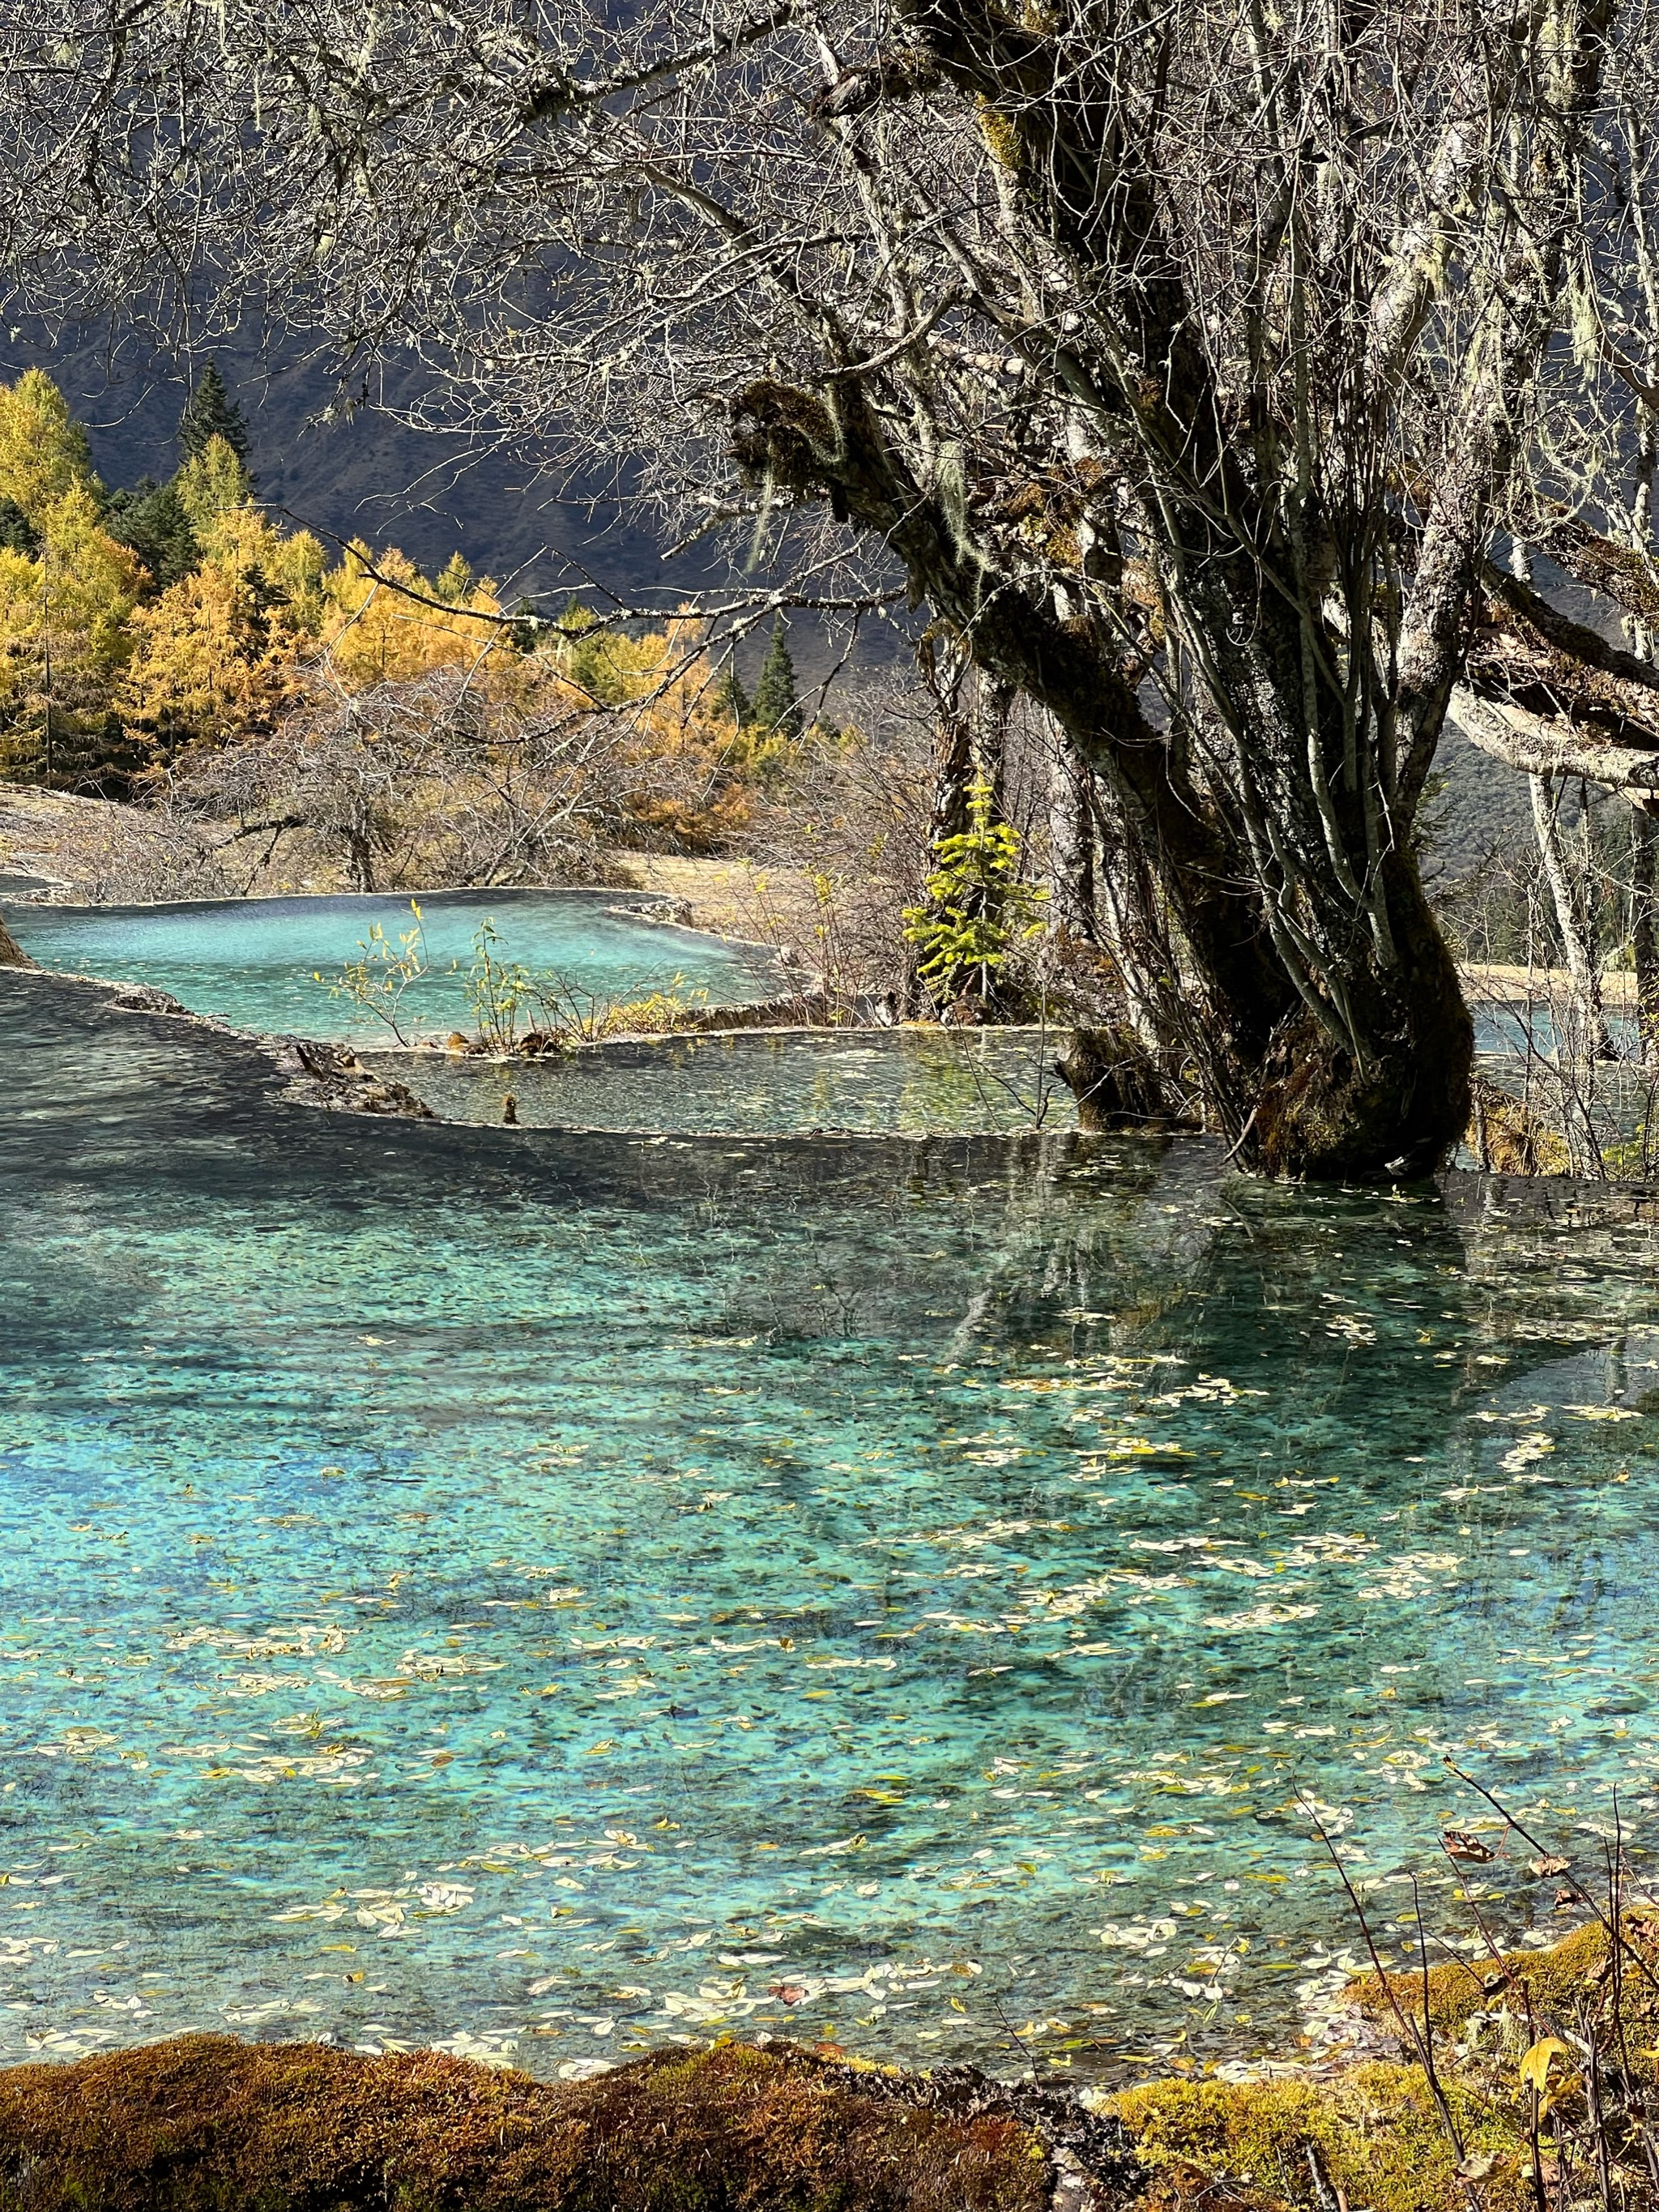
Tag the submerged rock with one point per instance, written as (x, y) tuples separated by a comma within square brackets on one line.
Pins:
[(210, 2121), (150, 999), (331, 1075)]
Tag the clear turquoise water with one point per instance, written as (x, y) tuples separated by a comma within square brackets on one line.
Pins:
[(905, 1081), (254, 962), (601, 1590)]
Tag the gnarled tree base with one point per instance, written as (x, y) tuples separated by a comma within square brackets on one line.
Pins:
[(1311, 1108), (1323, 1113), (1119, 1087)]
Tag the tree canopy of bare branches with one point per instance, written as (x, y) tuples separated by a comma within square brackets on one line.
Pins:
[(1196, 363)]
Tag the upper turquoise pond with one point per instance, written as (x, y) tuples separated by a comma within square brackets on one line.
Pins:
[(255, 963), (545, 1593)]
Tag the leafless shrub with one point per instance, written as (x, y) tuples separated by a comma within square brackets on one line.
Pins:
[(130, 856), (431, 781), (856, 821)]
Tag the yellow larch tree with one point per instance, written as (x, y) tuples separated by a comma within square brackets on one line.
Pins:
[(218, 655), (386, 623), (704, 768), (43, 449), (63, 639)]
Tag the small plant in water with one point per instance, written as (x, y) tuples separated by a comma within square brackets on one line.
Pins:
[(377, 979), (503, 994), (566, 1015), (497, 992)]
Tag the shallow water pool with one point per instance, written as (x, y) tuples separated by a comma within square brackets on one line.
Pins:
[(551, 1594), (255, 963), (896, 1082)]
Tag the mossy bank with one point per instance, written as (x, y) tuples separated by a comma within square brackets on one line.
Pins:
[(1523, 2084)]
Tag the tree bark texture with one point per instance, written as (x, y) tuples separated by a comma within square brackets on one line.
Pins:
[(1645, 931), (1071, 885)]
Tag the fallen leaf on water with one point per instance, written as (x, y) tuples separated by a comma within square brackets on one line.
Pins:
[(1461, 1846)]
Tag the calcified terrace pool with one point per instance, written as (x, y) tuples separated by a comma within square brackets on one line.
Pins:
[(550, 1594), (256, 963)]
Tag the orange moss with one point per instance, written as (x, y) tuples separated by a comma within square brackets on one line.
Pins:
[(205, 2123)]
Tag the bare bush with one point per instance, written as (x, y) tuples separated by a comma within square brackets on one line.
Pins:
[(435, 781), (859, 817)]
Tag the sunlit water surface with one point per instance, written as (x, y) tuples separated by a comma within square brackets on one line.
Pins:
[(269, 963), (547, 1594)]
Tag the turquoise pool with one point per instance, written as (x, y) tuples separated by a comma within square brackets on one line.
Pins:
[(548, 1594), (904, 1082), (254, 962)]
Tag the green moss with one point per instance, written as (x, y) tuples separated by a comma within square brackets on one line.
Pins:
[(1000, 134), (1573, 1976), (205, 2123), (1375, 2134)]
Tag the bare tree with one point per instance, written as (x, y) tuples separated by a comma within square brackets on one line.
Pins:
[(1190, 361), (439, 779)]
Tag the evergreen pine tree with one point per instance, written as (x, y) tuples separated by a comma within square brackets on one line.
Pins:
[(211, 412), (731, 699), (17, 533), (153, 522), (777, 710)]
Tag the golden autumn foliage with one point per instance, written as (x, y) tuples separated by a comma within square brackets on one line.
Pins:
[(43, 449), (217, 656), (392, 625), (64, 635), (110, 667), (711, 765), (214, 658), (213, 485)]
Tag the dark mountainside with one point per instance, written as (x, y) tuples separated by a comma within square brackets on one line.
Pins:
[(367, 477)]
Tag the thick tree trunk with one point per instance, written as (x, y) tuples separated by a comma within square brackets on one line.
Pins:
[(1389, 1094), (1401, 1102), (1071, 886), (1645, 931)]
